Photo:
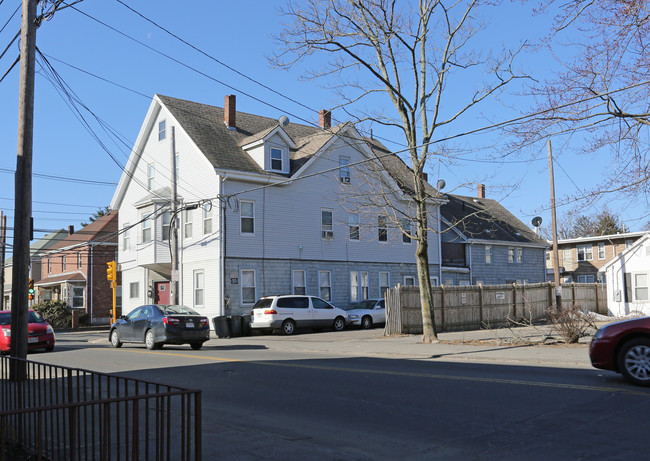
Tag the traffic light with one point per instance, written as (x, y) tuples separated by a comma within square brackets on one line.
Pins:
[(111, 271), (30, 289)]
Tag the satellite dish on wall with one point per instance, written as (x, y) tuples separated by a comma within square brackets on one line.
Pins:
[(537, 221), (283, 120), (440, 185)]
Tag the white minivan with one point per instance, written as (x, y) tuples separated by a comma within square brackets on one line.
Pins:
[(288, 312)]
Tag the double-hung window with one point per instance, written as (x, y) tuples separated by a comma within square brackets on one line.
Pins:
[(63, 263), (166, 222), (199, 288), (601, 251), (187, 215), (299, 282), (641, 287), (248, 286), (354, 226), (207, 218), (406, 230), (519, 255), (511, 255), (146, 227), (326, 223), (325, 285), (488, 254), (344, 169), (384, 283), (382, 229), (126, 238), (276, 159), (134, 290), (79, 260), (585, 252), (247, 216), (151, 175), (162, 128)]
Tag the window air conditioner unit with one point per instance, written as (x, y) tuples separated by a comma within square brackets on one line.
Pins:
[(328, 234), (345, 179)]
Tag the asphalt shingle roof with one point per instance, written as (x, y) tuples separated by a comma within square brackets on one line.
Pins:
[(486, 219)]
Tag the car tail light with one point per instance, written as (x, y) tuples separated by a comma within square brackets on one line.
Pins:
[(171, 321), (270, 311), (203, 321)]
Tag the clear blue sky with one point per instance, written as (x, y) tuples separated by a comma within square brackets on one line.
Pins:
[(238, 34)]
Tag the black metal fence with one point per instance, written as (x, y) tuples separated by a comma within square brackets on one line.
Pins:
[(62, 413)]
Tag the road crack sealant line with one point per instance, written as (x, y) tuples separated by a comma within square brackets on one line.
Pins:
[(288, 364)]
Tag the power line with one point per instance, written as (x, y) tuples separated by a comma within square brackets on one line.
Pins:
[(64, 178)]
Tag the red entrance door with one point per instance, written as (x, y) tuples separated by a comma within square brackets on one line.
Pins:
[(161, 290)]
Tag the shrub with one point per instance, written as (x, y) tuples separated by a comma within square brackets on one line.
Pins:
[(570, 322), (57, 313)]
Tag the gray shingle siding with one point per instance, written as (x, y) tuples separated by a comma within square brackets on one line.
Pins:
[(531, 270)]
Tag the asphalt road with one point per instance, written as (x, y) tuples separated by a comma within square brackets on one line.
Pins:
[(356, 396)]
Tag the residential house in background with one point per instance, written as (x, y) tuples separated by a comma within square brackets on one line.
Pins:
[(36, 270), (483, 243), (581, 259), (267, 206), (628, 279), (74, 269)]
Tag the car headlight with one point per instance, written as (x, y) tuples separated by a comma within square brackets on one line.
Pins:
[(49, 329)]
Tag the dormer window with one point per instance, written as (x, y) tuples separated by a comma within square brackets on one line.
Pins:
[(276, 159)]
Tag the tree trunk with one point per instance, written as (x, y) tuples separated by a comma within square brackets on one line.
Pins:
[(422, 261)]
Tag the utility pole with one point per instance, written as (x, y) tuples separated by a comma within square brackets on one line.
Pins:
[(23, 189), (3, 242), (173, 235), (556, 259)]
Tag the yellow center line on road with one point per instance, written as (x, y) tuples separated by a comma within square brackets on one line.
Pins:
[(413, 374)]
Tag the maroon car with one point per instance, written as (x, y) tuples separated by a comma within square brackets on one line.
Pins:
[(624, 347)]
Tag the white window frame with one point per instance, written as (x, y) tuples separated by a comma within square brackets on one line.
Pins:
[(299, 282), (602, 251), (355, 229), (146, 231), (434, 280), (354, 286), (326, 224), (188, 216), (49, 265), (151, 176), (406, 227), (165, 221), (126, 237), (344, 169), (642, 287), (566, 255), (488, 254), (74, 298), (587, 252), (245, 285), (79, 260), (244, 216), (162, 130), (511, 255), (629, 243), (134, 290), (412, 278), (382, 228), (63, 263), (272, 151), (207, 218), (519, 255), (382, 288), (325, 285), (198, 286)]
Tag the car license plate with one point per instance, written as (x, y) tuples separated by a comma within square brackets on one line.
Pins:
[(189, 325), (32, 339)]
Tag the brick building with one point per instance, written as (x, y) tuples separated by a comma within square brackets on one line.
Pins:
[(74, 269)]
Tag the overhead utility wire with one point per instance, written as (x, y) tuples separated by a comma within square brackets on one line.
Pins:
[(65, 178)]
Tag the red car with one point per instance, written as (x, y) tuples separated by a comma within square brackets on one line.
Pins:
[(624, 347), (40, 334)]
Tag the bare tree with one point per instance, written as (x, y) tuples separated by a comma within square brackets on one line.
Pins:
[(410, 52), (603, 91)]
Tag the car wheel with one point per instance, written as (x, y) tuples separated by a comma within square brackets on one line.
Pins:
[(288, 327), (339, 324), (366, 322), (196, 346), (115, 339), (634, 361), (150, 340)]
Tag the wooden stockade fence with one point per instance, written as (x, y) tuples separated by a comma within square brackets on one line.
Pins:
[(473, 307)]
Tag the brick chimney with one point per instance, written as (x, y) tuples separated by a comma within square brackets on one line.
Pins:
[(229, 111), (325, 119), (480, 190), (70, 230)]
